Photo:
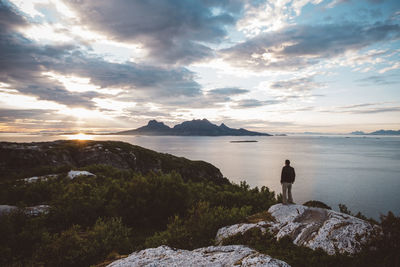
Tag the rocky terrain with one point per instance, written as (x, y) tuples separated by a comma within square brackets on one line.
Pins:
[(20, 160), (209, 256), (332, 231), (311, 227)]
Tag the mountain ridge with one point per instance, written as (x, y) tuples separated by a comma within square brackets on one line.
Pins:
[(190, 128), (379, 132)]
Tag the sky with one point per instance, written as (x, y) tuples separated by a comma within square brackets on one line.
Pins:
[(330, 66)]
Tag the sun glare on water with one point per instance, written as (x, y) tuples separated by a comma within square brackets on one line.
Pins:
[(80, 136)]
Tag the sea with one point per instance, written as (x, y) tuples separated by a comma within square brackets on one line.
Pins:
[(362, 172)]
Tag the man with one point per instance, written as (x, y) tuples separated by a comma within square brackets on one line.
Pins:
[(287, 179)]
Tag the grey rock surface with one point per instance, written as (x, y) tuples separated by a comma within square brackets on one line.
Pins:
[(31, 211), (210, 256), (315, 228)]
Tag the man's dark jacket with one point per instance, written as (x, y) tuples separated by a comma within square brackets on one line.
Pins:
[(288, 175)]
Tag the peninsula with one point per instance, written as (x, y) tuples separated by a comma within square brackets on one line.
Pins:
[(190, 128)]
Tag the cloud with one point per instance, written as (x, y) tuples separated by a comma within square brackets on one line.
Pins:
[(9, 19), (337, 2), (376, 110), (254, 103), (364, 108), (303, 84), (298, 46), (299, 88), (24, 64), (227, 91), (264, 16), (7, 115), (174, 32), (379, 79)]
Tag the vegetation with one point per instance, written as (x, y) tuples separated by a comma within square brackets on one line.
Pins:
[(96, 218), (117, 211), (381, 251), (316, 204)]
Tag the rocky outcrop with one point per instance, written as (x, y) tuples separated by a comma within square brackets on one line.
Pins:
[(73, 174), (42, 178), (311, 227), (209, 256), (18, 160), (30, 211)]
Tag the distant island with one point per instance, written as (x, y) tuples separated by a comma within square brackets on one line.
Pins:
[(380, 132), (190, 128)]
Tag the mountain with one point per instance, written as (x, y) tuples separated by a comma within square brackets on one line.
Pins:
[(190, 128), (386, 132), (380, 132), (153, 127), (358, 133)]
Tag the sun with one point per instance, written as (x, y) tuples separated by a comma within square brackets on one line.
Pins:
[(80, 136)]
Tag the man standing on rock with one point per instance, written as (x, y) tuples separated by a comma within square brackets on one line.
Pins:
[(287, 179)]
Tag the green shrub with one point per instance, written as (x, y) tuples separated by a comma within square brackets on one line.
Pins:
[(77, 247), (317, 204), (198, 228)]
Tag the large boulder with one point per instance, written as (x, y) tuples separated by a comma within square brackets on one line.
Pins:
[(315, 228), (209, 256)]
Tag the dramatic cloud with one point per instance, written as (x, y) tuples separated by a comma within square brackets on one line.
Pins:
[(300, 46), (174, 32), (24, 65), (83, 64)]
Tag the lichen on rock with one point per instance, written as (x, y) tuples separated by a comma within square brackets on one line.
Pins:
[(315, 228), (209, 256)]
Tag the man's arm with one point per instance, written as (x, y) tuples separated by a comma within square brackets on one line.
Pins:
[(282, 175), (294, 174)]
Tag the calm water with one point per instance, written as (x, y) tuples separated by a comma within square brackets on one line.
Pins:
[(363, 173)]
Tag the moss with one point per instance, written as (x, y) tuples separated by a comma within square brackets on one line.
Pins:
[(316, 204), (259, 217)]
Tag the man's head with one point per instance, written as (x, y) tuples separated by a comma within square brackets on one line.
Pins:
[(287, 162)]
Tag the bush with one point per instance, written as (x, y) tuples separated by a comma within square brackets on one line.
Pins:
[(76, 247), (146, 204), (198, 228), (317, 204)]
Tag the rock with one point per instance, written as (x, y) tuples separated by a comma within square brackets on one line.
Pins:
[(37, 210), (209, 256), (73, 174), (30, 211), (4, 209), (241, 228), (311, 227), (39, 178)]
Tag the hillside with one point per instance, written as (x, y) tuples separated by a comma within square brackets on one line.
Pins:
[(20, 160), (190, 128)]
